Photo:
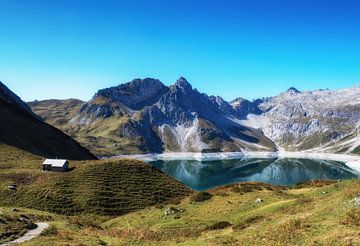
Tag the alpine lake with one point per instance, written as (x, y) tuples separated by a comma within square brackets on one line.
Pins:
[(204, 175)]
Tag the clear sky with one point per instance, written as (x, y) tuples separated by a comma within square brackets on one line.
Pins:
[(247, 48)]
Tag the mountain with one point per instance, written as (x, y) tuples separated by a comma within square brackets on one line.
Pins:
[(321, 120), (21, 128), (144, 115)]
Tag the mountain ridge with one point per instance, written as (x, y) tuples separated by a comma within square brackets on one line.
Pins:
[(157, 118), (20, 127), (152, 117)]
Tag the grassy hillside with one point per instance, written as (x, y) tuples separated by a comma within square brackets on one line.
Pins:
[(317, 213), (22, 129), (125, 202), (92, 187), (103, 136), (13, 225)]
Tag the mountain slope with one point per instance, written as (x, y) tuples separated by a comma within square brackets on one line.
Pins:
[(322, 120), (98, 187), (21, 128), (187, 120), (147, 116)]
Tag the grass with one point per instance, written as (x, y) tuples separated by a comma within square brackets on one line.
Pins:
[(200, 197), (14, 224), (299, 215), (102, 136), (25, 131), (123, 202), (93, 187)]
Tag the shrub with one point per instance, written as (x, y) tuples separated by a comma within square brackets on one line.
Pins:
[(175, 201), (200, 197), (248, 222), (219, 225), (50, 231)]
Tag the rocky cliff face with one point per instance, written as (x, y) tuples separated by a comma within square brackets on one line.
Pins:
[(135, 94), (187, 120), (321, 120), (147, 116), (21, 128)]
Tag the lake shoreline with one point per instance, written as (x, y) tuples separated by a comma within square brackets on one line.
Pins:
[(353, 161)]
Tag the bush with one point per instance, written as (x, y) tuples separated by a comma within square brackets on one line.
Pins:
[(50, 231), (200, 197), (219, 225), (86, 221), (248, 222), (175, 201)]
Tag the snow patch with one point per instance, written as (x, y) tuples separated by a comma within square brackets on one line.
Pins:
[(256, 121), (186, 136)]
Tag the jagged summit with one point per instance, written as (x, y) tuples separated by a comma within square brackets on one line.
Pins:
[(293, 90), (144, 115), (183, 84), (135, 94)]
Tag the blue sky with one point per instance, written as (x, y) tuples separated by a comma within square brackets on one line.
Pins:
[(248, 48)]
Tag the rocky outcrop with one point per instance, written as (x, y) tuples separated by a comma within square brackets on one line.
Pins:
[(135, 94), (324, 120), (147, 116)]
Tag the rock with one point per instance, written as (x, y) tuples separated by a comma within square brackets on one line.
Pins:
[(293, 117), (258, 200), (172, 210), (135, 94), (12, 187), (355, 202)]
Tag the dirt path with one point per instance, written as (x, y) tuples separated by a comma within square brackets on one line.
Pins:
[(30, 234)]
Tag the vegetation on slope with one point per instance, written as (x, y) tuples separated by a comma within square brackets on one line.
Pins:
[(88, 200), (21, 128), (317, 213), (92, 187), (16, 222), (13, 225), (103, 136)]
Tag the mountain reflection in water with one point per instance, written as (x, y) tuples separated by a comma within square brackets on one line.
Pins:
[(203, 175)]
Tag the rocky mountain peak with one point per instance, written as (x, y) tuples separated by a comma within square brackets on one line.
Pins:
[(238, 101), (293, 90), (183, 84), (135, 94)]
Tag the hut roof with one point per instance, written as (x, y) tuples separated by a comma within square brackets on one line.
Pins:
[(55, 162)]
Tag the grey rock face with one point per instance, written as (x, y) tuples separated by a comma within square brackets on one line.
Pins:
[(174, 118), (304, 120), (135, 94)]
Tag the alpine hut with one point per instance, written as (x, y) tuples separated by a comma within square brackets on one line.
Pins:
[(55, 165)]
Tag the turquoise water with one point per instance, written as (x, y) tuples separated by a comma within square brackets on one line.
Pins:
[(203, 175)]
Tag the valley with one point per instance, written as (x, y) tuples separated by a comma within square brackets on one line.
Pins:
[(214, 172)]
